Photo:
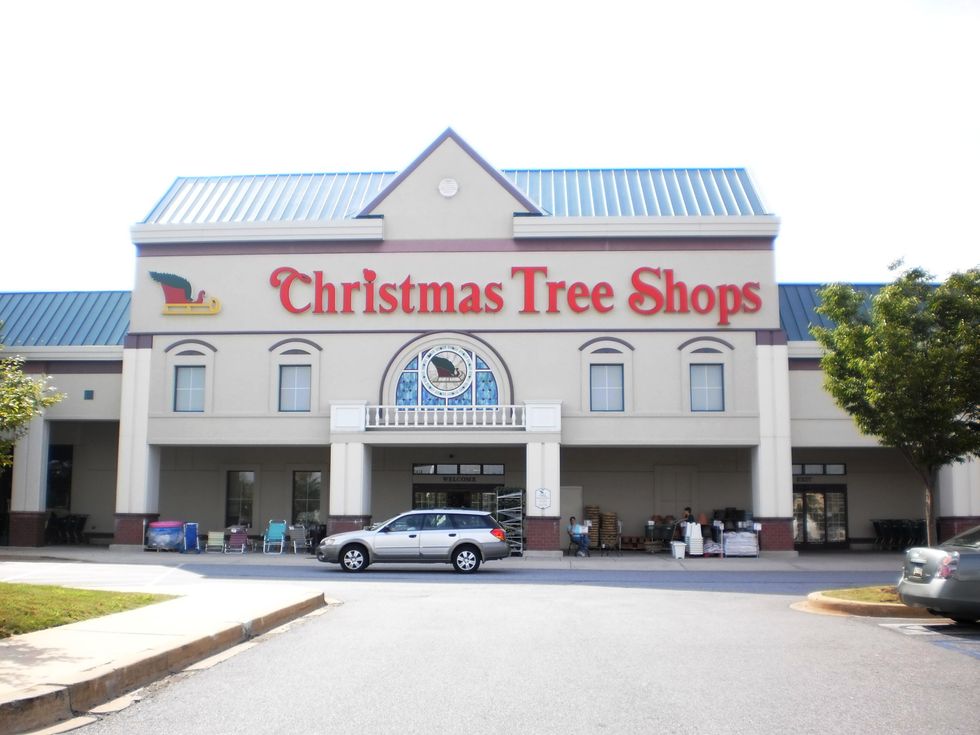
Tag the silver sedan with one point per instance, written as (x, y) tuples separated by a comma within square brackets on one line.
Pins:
[(944, 579)]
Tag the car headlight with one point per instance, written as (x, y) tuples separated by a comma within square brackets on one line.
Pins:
[(328, 541)]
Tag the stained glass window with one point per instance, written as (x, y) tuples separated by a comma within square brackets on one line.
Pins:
[(481, 391)]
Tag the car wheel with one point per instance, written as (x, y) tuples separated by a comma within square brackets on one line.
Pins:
[(354, 559), (466, 560)]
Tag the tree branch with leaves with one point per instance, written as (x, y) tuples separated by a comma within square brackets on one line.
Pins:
[(905, 364), (22, 397)]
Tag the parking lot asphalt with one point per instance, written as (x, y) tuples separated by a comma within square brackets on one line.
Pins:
[(58, 675)]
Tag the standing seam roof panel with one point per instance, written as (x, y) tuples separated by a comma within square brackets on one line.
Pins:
[(64, 318), (613, 192)]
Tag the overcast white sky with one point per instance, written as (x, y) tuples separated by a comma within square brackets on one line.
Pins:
[(859, 120)]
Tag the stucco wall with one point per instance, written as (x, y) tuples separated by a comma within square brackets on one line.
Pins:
[(880, 484), (816, 421), (638, 483), (94, 453)]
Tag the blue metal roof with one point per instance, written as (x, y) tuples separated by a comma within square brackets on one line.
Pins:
[(640, 192), (608, 192), (270, 198), (798, 308), (64, 318)]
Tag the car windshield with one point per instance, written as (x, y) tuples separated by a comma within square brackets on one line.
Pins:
[(970, 539)]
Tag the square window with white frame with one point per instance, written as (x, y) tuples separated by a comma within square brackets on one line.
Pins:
[(189, 388), (294, 387), (606, 387), (707, 387)]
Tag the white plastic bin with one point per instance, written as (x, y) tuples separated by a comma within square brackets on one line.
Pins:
[(678, 547)]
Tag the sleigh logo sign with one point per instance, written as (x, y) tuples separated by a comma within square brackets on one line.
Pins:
[(177, 296), (446, 371)]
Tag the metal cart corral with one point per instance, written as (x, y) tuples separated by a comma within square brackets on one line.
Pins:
[(659, 536)]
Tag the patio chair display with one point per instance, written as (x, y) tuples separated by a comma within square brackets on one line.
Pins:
[(215, 541), (237, 541), (275, 537), (298, 539)]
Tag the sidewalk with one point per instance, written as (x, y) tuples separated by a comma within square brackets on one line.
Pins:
[(61, 673)]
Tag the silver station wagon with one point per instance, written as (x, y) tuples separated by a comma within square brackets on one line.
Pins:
[(463, 538)]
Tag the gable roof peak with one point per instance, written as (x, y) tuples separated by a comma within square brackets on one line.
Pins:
[(448, 134)]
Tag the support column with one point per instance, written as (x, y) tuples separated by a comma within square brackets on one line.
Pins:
[(28, 500), (350, 487), (544, 474), (772, 469), (138, 471), (959, 498)]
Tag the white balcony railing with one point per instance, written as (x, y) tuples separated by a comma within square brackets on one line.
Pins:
[(444, 417)]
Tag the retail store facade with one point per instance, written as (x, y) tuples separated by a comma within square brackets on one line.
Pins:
[(337, 348)]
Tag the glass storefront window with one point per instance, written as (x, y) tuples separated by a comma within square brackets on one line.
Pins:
[(239, 498), (306, 496)]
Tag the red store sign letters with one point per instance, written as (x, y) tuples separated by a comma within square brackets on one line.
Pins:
[(653, 291)]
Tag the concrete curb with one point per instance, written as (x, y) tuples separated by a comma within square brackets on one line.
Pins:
[(44, 705), (818, 602)]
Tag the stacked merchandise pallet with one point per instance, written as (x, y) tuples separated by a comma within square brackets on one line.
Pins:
[(741, 543), (592, 515), (608, 531)]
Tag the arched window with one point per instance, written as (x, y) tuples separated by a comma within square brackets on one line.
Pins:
[(607, 375), (295, 371), (190, 372), (707, 374)]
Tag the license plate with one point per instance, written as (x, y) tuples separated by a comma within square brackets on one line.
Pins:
[(917, 570)]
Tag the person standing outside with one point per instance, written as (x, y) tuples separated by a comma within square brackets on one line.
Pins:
[(579, 535)]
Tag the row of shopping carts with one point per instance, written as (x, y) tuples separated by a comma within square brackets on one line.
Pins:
[(896, 534)]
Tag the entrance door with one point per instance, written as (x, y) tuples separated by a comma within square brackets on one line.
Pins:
[(453, 496), (820, 516)]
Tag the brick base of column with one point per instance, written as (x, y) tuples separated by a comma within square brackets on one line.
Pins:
[(129, 528), (27, 528), (776, 534), (542, 533), (949, 526), (339, 524)]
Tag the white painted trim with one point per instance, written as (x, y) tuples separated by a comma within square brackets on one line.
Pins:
[(543, 416), (348, 229), (772, 468), (30, 473), (606, 227), (348, 416), (805, 349), (83, 353)]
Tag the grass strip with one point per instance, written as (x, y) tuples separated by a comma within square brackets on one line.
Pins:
[(25, 608), (866, 594)]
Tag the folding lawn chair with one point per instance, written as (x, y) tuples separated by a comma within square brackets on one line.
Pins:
[(237, 541), (215, 541), (275, 536), (299, 539)]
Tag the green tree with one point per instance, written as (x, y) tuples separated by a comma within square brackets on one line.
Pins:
[(905, 363), (22, 397)]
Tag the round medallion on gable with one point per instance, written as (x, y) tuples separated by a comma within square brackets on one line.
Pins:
[(446, 371), (448, 188)]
